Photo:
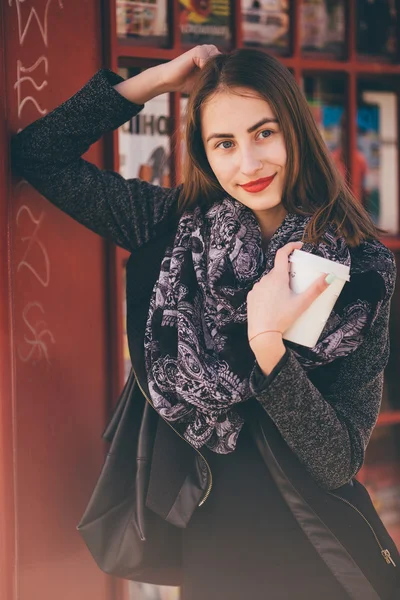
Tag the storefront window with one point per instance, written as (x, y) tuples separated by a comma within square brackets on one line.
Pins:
[(377, 152), (375, 162), (323, 32), (205, 22), (323, 28), (144, 142), (267, 25), (326, 97), (376, 31), (142, 22)]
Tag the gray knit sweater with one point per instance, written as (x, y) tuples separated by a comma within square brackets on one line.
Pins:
[(328, 425)]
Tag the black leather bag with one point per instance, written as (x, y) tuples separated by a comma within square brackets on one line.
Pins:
[(124, 537)]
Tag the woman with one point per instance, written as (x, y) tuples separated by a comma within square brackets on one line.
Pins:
[(268, 431)]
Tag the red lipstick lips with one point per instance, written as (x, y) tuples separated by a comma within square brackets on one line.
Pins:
[(258, 185)]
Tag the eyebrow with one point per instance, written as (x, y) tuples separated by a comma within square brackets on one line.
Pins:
[(250, 129)]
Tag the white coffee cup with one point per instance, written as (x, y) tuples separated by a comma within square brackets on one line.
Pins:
[(305, 268)]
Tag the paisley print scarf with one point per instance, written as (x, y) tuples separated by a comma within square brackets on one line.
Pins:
[(198, 359)]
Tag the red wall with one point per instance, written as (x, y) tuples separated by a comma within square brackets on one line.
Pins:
[(54, 332)]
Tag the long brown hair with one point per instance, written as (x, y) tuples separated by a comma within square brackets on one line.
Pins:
[(313, 186)]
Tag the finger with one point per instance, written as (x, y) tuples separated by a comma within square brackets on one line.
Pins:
[(203, 53), (305, 299), (282, 256)]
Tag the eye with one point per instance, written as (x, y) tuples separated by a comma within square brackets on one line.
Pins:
[(220, 145), (265, 133)]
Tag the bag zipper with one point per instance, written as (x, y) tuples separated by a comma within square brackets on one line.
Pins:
[(209, 478), (384, 551)]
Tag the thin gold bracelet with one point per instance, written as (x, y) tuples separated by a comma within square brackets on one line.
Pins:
[(266, 331)]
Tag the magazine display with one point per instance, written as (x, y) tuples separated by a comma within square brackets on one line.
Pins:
[(205, 22), (367, 160), (142, 20), (369, 145), (323, 27), (266, 23), (376, 28), (144, 143)]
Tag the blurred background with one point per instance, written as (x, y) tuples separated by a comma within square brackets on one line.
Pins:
[(60, 379)]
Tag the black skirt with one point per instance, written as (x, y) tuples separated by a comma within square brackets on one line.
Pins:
[(245, 544)]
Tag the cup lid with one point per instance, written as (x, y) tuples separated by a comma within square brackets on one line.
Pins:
[(320, 264)]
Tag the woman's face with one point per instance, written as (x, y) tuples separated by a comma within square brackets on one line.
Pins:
[(244, 144)]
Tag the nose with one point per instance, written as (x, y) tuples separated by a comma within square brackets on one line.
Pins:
[(250, 163)]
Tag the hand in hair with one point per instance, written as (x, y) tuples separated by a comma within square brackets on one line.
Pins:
[(179, 74)]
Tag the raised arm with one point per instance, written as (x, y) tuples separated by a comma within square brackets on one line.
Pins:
[(48, 152)]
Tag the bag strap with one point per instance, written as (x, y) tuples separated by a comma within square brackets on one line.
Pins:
[(329, 548)]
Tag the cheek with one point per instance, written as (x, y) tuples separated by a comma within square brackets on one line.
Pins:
[(220, 166), (284, 157), (278, 153)]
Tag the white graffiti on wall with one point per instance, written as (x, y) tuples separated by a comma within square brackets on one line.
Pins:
[(38, 87), (33, 15), (35, 261), (37, 348), (33, 240)]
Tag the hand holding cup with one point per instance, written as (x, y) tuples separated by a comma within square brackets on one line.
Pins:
[(273, 306)]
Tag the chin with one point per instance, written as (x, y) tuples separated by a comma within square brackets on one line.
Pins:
[(260, 203)]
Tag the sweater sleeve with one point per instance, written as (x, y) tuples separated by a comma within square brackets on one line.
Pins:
[(48, 153), (328, 432)]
